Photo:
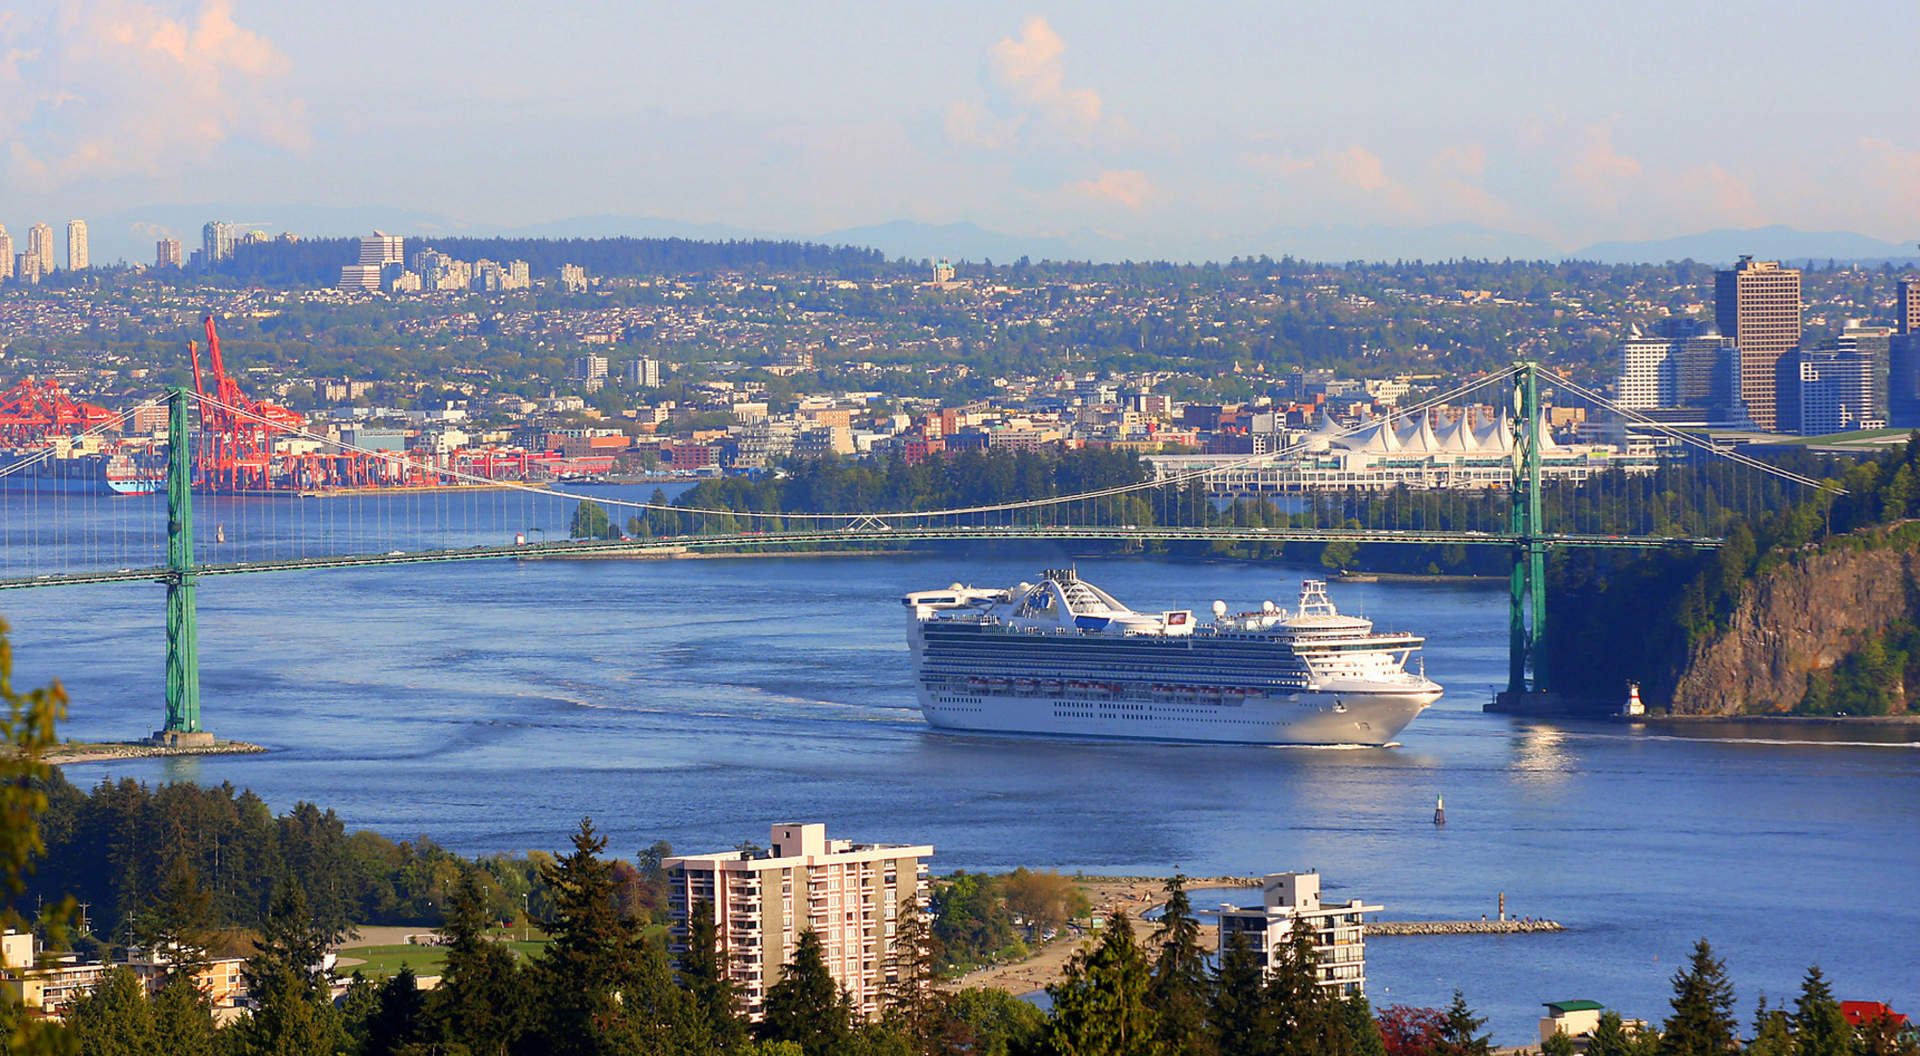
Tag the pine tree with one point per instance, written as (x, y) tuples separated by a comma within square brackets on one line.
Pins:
[(1363, 1033), (914, 1007), (1179, 989), (806, 1006), (1702, 1023), (1305, 1019), (183, 1019), (1609, 1038), (177, 926), (1557, 1045), (294, 1013), (399, 1018), (1100, 1007), (1458, 1035), (704, 974), (114, 1020), (1772, 1031), (481, 1001), (601, 988), (1819, 1028), (1238, 1013)]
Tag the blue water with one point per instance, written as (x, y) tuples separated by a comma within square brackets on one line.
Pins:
[(490, 705)]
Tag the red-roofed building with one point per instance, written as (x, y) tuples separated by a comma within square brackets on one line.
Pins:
[(1861, 1013)]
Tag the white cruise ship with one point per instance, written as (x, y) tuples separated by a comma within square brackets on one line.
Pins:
[(1063, 657)]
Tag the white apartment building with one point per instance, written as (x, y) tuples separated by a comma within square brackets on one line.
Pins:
[(77, 256), (1291, 899), (850, 894)]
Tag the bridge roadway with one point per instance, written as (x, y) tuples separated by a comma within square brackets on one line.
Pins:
[(864, 532)]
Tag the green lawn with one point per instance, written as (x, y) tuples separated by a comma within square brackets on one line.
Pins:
[(383, 961)]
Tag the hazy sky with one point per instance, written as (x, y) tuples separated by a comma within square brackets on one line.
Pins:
[(1159, 123)]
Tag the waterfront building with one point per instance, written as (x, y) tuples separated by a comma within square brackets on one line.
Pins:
[(77, 256), (1473, 450), (852, 895), (1290, 900), (40, 244), (1757, 304), (641, 373), (6, 253), (166, 253)]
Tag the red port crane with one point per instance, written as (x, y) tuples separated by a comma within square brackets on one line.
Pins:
[(236, 430), (33, 412)]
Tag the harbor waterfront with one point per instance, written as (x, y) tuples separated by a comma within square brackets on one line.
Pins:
[(488, 706)]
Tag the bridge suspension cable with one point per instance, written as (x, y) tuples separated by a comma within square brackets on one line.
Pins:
[(1703, 445)]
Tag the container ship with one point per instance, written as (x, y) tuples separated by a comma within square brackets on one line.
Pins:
[(1065, 658), (117, 472)]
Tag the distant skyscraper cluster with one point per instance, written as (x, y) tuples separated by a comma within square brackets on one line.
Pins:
[(384, 266), (1753, 368), (37, 260)]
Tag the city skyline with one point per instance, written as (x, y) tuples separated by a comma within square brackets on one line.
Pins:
[(1199, 135)]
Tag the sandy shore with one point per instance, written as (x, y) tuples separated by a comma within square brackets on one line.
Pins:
[(1133, 894)]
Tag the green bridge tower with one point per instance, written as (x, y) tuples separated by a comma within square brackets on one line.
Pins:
[(1527, 610), (183, 640)]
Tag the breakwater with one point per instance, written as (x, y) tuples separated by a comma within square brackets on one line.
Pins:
[(1460, 927)]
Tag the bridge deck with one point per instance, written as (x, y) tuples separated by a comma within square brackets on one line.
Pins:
[(864, 534)]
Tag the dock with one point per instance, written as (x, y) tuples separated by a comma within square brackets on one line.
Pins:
[(1460, 927)]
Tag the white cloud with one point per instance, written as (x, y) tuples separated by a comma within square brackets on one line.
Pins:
[(1598, 173), (1032, 100), (1128, 187), (105, 88)]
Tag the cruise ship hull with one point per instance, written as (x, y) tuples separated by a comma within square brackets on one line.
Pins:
[(1294, 718)]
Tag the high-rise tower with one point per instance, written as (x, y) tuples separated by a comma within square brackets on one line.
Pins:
[(40, 245), (6, 253), (77, 256), (1757, 303), (1906, 313)]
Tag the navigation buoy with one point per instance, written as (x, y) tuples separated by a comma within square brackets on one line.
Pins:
[(1439, 811), (1633, 706)]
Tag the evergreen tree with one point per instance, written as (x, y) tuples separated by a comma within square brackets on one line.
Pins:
[(1819, 1028), (703, 972), (1772, 1031), (1702, 1023), (481, 1001), (1557, 1045), (295, 1016), (806, 1006), (915, 1008), (1610, 1038), (1238, 1013), (600, 986), (358, 1006), (985, 1022), (1882, 1036), (183, 1019), (399, 1018), (1179, 988), (1363, 1033), (1100, 1006), (177, 926), (1458, 1035), (114, 1020), (1306, 1020)]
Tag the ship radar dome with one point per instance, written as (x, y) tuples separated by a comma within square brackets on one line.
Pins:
[(1268, 607), (1219, 608), (956, 587)]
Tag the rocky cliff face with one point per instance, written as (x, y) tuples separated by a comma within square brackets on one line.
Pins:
[(1795, 620)]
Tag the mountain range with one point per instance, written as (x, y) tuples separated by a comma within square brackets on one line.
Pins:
[(130, 236)]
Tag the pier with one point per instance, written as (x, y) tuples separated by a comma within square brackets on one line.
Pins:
[(1376, 928)]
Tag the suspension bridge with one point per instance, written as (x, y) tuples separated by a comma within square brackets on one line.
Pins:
[(358, 507)]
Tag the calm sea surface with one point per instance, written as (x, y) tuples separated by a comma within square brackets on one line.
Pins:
[(490, 705)]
